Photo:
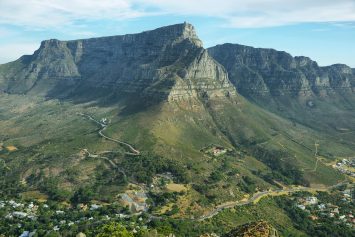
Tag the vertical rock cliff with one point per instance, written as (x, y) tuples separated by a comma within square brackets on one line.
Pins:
[(167, 63), (257, 71)]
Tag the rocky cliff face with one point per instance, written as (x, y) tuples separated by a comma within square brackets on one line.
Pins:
[(254, 229), (267, 72), (166, 63)]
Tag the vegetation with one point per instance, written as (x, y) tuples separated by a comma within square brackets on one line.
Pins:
[(144, 167), (324, 227)]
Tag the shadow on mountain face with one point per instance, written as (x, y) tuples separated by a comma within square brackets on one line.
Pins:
[(131, 102)]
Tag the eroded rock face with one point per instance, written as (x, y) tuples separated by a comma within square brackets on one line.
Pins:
[(166, 63), (268, 72), (255, 229)]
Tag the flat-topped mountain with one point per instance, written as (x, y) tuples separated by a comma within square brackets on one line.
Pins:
[(168, 62)]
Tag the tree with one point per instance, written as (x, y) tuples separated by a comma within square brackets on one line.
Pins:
[(82, 195), (113, 230)]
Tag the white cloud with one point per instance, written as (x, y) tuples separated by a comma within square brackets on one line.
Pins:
[(53, 13), (12, 51), (263, 13), (235, 13)]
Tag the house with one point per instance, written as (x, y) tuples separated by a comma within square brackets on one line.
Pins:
[(15, 204), (19, 214), (25, 234), (335, 210), (28, 234), (32, 217), (104, 121), (139, 207), (302, 207), (218, 151), (94, 207), (82, 206), (311, 200), (321, 206), (135, 200)]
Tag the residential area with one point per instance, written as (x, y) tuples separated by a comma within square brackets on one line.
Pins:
[(27, 218), (336, 208), (346, 166)]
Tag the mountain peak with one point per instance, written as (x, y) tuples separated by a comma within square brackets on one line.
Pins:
[(176, 33), (179, 31)]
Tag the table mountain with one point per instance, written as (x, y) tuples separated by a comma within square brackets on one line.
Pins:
[(168, 62)]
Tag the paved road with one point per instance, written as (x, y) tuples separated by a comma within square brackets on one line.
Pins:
[(218, 208), (113, 164), (259, 195), (134, 151)]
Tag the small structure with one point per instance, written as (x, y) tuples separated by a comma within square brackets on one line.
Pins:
[(321, 206), (311, 200), (94, 207), (19, 214), (135, 200), (217, 151), (104, 121), (25, 234)]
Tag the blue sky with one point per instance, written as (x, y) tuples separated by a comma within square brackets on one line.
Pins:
[(323, 30)]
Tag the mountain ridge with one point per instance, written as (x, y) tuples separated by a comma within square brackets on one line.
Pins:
[(145, 62)]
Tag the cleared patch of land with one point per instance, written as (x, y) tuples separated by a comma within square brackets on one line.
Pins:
[(172, 187), (11, 148)]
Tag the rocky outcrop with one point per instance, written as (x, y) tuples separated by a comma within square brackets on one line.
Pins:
[(255, 229), (268, 72), (167, 63)]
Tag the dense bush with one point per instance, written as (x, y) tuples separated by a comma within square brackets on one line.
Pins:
[(144, 167), (282, 168)]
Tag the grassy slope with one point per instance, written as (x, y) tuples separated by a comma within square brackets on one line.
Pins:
[(51, 134)]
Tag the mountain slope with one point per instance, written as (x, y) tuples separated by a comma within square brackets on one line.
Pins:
[(164, 94), (296, 88)]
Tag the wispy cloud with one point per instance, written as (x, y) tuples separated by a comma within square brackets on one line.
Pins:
[(54, 13), (235, 13), (263, 13)]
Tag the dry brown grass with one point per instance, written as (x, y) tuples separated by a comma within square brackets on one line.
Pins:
[(11, 148), (172, 187)]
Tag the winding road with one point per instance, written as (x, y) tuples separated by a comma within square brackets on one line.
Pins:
[(255, 198), (259, 195), (103, 126), (113, 164)]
